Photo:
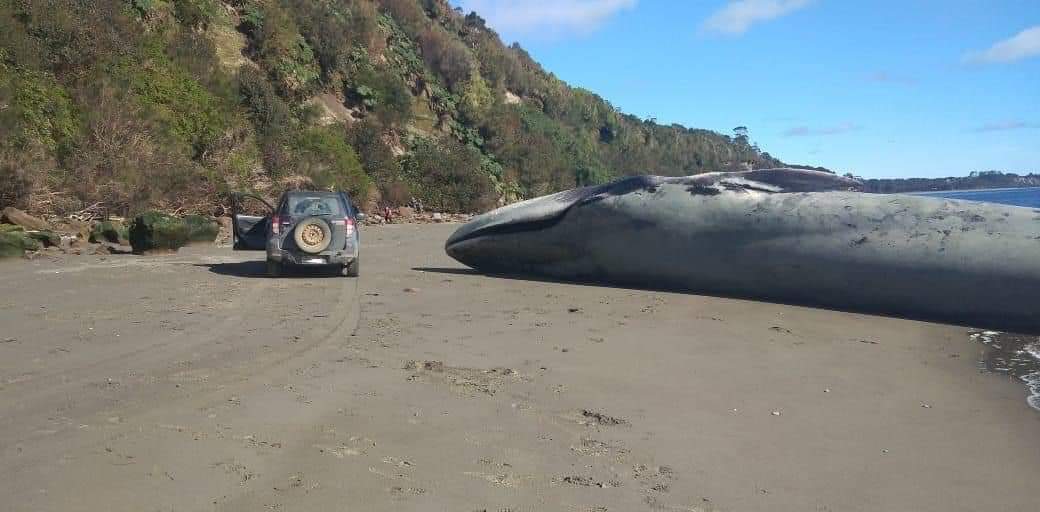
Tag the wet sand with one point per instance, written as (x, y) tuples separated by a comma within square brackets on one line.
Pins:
[(192, 382)]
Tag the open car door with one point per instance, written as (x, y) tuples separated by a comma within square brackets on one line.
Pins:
[(249, 229)]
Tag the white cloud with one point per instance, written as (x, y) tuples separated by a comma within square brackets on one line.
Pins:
[(739, 15), (805, 131), (546, 16), (1023, 45)]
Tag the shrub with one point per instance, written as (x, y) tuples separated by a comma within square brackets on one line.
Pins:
[(201, 229), (68, 37), (334, 30), (323, 155), (265, 108), (109, 231), (153, 231), (193, 114), (383, 93), (38, 110), (15, 184), (14, 244), (284, 53), (195, 14), (46, 238), (447, 56), (447, 175), (378, 160), (124, 161), (407, 13), (477, 97)]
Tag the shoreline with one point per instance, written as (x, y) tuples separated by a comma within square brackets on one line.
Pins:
[(1014, 355)]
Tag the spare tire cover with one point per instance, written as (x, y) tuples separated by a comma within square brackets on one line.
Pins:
[(312, 235)]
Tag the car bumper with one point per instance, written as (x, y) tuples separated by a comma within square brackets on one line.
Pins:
[(343, 257)]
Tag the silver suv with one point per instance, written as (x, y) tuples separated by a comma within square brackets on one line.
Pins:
[(307, 228)]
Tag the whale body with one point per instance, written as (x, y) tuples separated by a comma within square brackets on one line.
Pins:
[(782, 235)]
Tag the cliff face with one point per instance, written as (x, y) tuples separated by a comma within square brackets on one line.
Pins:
[(134, 104)]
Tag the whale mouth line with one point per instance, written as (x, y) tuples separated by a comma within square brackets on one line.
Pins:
[(510, 228)]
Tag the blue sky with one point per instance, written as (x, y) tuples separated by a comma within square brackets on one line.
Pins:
[(881, 88)]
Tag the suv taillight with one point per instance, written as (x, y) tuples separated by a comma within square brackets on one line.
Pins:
[(276, 224), (349, 223)]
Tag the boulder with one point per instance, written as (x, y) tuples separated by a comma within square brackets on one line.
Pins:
[(155, 231), (406, 212), (11, 245), (201, 229), (47, 238), (17, 217), (15, 244), (112, 248), (77, 228)]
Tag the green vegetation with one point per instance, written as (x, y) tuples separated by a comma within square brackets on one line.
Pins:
[(47, 238), (976, 180), (201, 229), (109, 231), (14, 244), (171, 104), (152, 231)]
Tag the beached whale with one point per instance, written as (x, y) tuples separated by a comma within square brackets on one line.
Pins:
[(782, 235)]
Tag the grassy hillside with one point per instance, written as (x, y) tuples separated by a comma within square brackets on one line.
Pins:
[(172, 103)]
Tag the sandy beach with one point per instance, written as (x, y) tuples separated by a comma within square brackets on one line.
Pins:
[(193, 382)]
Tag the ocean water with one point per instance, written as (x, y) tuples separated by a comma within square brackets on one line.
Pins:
[(1015, 355), (1013, 196)]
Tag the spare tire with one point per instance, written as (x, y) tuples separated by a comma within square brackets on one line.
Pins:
[(312, 235)]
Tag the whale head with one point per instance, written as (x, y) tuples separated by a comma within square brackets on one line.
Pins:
[(525, 236), (516, 236)]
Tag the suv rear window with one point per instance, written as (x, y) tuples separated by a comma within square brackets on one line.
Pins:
[(303, 205)]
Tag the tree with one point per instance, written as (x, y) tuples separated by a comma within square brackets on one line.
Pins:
[(740, 135)]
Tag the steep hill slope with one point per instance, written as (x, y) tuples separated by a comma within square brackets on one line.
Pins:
[(172, 103)]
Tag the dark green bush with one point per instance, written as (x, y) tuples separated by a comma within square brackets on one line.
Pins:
[(109, 231), (195, 14), (268, 111), (377, 158), (15, 184), (155, 231), (323, 155), (14, 244), (447, 175), (383, 93), (47, 238), (334, 30)]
